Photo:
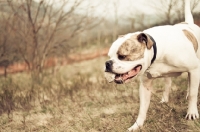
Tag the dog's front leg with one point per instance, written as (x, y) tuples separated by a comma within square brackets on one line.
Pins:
[(194, 78), (145, 95)]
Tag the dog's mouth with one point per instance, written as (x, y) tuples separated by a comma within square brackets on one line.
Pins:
[(123, 78)]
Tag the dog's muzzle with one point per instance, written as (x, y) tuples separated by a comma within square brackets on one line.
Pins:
[(120, 78)]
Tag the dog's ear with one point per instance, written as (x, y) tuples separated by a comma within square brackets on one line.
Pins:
[(145, 38)]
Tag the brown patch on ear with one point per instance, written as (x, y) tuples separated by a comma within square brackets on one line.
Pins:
[(144, 38), (192, 38)]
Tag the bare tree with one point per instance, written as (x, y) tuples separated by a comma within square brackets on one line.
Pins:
[(163, 12), (38, 30), (7, 50), (171, 11), (138, 18)]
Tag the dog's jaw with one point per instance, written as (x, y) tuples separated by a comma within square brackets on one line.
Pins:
[(124, 78), (123, 72)]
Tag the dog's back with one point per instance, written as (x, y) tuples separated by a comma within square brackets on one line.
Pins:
[(188, 29)]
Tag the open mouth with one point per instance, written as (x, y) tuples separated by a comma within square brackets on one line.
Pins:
[(123, 78)]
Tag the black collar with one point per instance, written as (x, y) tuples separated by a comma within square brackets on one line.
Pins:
[(154, 49)]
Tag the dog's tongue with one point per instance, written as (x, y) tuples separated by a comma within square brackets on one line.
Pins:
[(132, 73)]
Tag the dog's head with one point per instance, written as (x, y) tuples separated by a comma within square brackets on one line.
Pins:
[(128, 57)]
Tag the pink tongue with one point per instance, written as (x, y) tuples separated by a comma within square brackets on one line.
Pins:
[(130, 74)]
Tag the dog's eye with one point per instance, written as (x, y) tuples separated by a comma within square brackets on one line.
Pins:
[(121, 57)]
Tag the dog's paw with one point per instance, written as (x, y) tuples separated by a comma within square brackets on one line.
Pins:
[(134, 127), (164, 99), (192, 114)]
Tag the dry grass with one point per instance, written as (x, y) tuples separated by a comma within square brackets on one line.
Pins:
[(78, 99)]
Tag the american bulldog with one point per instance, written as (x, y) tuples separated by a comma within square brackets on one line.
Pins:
[(162, 51)]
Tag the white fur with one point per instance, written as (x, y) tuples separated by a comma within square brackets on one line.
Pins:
[(175, 54)]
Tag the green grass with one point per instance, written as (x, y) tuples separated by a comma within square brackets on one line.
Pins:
[(78, 99)]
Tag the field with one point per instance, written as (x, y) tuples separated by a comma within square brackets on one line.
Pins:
[(77, 98)]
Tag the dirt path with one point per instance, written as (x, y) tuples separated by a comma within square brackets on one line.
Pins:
[(54, 61)]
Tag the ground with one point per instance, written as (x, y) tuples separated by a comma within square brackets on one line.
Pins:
[(78, 99)]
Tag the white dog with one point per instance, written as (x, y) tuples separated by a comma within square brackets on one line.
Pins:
[(163, 51)]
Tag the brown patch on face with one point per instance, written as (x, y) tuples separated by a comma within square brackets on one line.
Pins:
[(192, 38), (131, 49)]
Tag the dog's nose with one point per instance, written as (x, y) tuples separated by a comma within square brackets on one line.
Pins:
[(108, 66)]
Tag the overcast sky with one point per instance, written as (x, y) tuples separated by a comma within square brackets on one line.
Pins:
[(121, 8)]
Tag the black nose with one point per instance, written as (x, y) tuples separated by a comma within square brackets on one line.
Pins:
[(109, 66)]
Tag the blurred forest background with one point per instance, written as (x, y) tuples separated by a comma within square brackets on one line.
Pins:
[(44, 33), (45, 48)]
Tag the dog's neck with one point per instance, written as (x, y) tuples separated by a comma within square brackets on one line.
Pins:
[(154, 50)]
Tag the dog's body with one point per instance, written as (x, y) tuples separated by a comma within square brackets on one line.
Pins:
[(163, 51)]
